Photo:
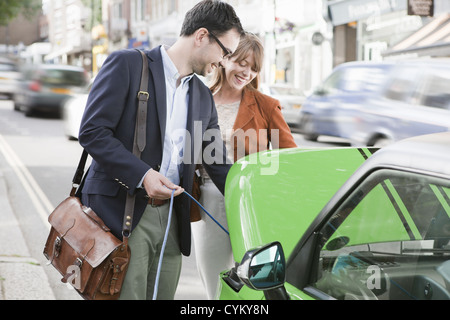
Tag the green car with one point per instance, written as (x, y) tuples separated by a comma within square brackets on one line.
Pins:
[(344, 223)]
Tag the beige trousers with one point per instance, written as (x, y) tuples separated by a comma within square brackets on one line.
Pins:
[(211, 244), (145, 244)]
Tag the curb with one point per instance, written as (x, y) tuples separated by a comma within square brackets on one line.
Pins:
[(21, 276)]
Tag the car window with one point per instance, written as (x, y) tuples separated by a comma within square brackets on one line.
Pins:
[(436, 89), (359, 79), (27, 74), (63, 77), (403, 84), (388, 240), (363, 79), (331, 84)]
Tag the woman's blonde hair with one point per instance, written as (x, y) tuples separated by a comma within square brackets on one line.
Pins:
[(248, 44)]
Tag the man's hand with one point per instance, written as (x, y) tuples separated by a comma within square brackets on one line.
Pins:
[(158, 186)]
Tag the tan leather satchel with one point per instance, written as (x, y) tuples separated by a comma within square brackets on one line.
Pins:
[(80, 246), (85, 252)]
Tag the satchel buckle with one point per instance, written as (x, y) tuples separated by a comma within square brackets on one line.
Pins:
[(78, 263), (147, 96), (57, 247)]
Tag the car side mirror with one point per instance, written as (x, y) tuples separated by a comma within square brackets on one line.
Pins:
[(263, 268)]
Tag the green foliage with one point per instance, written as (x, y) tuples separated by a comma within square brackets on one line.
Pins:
[(9, 9), (96, 16)]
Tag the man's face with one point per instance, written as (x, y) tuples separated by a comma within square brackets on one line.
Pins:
[(211, 53)]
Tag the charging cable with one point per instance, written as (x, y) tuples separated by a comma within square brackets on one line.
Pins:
[(158, 272), (217, 222)]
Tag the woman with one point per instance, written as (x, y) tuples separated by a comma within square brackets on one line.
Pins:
[(240, 107)]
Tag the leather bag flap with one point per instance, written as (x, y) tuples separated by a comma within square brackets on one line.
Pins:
[(82, 233)]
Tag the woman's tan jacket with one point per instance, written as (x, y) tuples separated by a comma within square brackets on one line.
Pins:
[(258, 122)]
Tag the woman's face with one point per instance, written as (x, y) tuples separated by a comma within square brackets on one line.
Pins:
[(210, 54), (240, 73)]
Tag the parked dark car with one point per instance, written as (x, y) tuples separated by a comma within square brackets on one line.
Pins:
[(45, 87), (333, 104), (412, 98)]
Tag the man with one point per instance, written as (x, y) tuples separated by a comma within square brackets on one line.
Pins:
[(178, 100)]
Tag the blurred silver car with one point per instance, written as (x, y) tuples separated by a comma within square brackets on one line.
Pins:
[(386, 103), (331, 109), (414, 101), (9, 74), (45, 87)]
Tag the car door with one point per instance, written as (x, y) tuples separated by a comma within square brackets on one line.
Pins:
[(387, 240)]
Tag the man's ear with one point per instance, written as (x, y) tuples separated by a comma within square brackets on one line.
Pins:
[(201, 35)]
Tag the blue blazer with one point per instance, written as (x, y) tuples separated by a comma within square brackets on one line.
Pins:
[(107, 134)]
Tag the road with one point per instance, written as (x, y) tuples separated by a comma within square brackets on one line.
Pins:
[(38, 163)]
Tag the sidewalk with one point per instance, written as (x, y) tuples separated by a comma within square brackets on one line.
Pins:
[(21, 276)]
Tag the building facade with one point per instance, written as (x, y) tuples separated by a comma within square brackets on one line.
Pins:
[(303, 39), (70, 39), (369, 29), (21, 32)]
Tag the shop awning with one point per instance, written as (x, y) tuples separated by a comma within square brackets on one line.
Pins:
[(432, 40)]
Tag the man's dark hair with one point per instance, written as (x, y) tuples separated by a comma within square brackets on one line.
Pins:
[(217, 16)]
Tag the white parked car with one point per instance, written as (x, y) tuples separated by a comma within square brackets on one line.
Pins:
[(9, 76), (291, 101), (72, 112)]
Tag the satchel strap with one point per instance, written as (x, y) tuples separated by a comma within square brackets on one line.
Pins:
[(79, 173), (138, 146), (141, 118), (139, 141)]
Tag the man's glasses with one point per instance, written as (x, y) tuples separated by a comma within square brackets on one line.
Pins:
[(227, 53)]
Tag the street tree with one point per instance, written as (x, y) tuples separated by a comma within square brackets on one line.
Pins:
[(9, 9)]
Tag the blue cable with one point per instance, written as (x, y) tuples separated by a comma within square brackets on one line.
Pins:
[(208, 213), (158, 272)]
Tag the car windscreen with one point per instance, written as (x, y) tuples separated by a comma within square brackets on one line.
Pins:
[(356, 79), (63, 77), (390, 239)]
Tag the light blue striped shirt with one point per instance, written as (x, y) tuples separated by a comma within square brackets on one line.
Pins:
[(177, 97)]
